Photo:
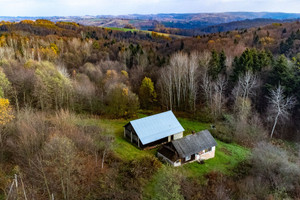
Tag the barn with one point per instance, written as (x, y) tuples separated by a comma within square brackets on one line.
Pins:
[(194, 147), (153, 130)]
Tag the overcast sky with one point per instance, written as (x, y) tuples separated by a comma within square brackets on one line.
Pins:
[(120, 7)]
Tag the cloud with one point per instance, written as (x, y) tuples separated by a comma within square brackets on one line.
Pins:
[(119, 7)]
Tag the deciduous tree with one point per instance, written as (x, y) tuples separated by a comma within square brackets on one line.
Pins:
[(279, 106), (147, 94)]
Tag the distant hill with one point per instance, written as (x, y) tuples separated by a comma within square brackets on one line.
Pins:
[(237, 25), (183, 24)]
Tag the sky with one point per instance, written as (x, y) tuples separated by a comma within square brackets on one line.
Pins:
[(121, 7)]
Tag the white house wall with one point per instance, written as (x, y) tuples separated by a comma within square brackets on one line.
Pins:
[(209, 154)]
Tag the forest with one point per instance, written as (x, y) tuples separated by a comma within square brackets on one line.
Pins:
[(67, 90)]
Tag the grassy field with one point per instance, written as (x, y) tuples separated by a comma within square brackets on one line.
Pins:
[(226, 158), (123, 29), (143, 31), (227, 155)]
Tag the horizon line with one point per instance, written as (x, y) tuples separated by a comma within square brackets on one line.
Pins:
[(33, 16)]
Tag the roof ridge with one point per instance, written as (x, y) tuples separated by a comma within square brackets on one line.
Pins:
[(152, 115)]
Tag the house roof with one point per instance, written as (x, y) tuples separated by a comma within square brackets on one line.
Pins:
[(155, 127), (194, 143)]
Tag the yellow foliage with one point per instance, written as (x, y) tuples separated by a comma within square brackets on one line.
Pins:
[(111, 73), (161, 35), (6, 114), (237, 36), (5, 23), (2, 41), (54, 48), (44, 22), (124, 73), (277, 24), (266, 40), (211, 42), (27, 22), (67, 24), (125, 91)]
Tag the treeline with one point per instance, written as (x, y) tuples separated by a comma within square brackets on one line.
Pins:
[(93, 74)]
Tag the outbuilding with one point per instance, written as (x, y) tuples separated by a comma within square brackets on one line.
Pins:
[(194, 147), (153, 130)]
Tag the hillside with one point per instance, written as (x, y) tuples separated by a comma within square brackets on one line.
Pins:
[(67, 90), (193, 24)]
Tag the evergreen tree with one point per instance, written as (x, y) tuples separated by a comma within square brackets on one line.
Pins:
[(217, 64), (282, 74)]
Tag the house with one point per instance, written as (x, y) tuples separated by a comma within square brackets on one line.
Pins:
[(153, 130), (194, 147)]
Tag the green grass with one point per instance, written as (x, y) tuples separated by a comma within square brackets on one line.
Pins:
[(143, 31), (190, 126), (227, 157), (124, 149), (123, 29)]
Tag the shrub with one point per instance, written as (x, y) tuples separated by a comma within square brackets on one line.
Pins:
[(274, 166), (223, 132)]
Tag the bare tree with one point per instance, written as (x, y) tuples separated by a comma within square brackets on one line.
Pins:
[(166, 85), (245, 87), (279, 106), (218, 89), (178, 81)]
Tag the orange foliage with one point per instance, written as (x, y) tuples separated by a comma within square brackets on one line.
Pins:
[(27, 22)]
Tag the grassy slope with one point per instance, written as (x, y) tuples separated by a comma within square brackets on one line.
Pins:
[(227, 155), (150, 32), (226, 158)]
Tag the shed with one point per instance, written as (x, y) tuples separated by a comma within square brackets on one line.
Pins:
[(154, 130), (198, 146)]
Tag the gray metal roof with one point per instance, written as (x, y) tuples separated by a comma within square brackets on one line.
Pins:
[(155, 127), (194, 143)]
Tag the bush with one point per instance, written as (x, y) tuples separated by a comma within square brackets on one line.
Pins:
[(204, 115), (274, 165), (223, 132)]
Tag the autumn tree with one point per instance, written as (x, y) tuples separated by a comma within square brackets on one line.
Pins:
[(121, 101), (147, 94), (6, 115), (4, 84), (53, 88)]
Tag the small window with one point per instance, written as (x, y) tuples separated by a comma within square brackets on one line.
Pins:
[(207, 150), (187, 158)]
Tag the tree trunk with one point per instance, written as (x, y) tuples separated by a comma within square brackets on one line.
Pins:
[(275, 123), (102, 164)]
